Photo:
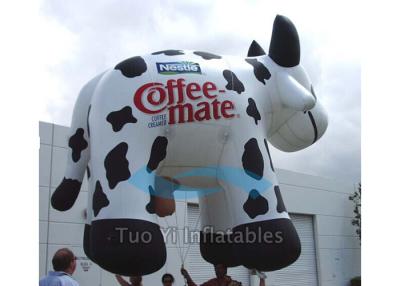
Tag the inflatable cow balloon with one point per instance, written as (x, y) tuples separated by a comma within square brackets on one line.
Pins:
[(177, 119)]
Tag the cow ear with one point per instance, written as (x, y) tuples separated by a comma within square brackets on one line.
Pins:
[(284, 48), (255, 50)]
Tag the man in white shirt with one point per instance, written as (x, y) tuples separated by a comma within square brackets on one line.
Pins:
[(64, 264)]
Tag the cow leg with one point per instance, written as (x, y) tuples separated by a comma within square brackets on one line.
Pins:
[(216, 246), (263, 236), (125, 237), (89, 215), (78, 156)]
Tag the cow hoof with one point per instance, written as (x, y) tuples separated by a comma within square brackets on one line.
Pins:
[(266, 245), (217, 249), (127, 246)]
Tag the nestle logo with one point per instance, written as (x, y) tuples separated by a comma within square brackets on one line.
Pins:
[(178, 68)]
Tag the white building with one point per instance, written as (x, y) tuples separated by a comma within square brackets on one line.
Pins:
[(319, 208)]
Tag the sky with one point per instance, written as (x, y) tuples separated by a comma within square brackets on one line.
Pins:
[(84, 38)]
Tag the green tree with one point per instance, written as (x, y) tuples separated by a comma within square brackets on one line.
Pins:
[(356, 198)]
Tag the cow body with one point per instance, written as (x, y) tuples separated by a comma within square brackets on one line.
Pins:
[(203, 121)]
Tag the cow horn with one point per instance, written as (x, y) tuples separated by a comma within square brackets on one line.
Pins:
[(284, 48), (255, 50)]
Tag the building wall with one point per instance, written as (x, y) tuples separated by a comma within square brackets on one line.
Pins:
[(337, 247)]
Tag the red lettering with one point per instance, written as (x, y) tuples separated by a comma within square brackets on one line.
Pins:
[(192, 87), (204, 112), (152, 89), (180, 84), (153, 98), (183, 109), (171, 86), (207, 87), (215, 104), (225, 107)]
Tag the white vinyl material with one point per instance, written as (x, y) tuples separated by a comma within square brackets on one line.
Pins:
[(288, 86), (215, 142)]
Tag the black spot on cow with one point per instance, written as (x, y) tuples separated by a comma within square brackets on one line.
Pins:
[(280, 207), (132, 67), (169, 52), (260, 71), (121, 117), (150, 207), (252, 110), (207, 56), (233, 82), (158, 153), (116, 165), (252, 159), (77, 143), (100, 199), (88, 171), (255, 205), (269, 155), (65, 194), (87, 121)]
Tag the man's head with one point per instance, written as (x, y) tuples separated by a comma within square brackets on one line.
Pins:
[(167, 279), (220, 270), (135, 280), (64, 260)]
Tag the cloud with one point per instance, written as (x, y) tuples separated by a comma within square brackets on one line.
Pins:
[(88, 37)]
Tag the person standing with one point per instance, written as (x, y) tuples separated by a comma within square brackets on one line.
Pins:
[(222, 279), (64, 265), (167, 279)]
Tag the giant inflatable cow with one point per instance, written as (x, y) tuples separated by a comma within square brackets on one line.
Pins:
[(138, 127)]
